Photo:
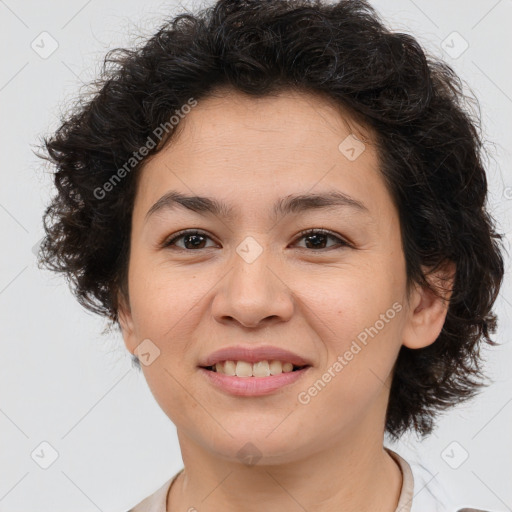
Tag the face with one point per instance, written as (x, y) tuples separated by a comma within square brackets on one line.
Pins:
[(337, 297)]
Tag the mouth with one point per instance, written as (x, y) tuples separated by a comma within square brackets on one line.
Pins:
[(217, 369), (245, 379)]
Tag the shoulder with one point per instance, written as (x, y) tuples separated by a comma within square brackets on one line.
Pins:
[(422, 490), (157, 500), (154, 502)]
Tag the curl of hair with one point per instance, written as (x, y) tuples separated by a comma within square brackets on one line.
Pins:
[(428, 143)]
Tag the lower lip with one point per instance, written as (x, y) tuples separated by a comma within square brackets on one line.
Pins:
[(252, 386)]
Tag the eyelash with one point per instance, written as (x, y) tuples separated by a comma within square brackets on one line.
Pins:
[(190, 232)]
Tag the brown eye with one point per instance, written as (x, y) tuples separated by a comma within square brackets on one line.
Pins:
[(317, 238), (192, 240)]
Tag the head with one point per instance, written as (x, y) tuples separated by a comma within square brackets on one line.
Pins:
[(251, 104)]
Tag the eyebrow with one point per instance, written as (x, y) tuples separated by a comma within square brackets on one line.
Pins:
[(294, 203)]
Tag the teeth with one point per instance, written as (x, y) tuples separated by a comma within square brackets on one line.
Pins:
[(259, 369), (243, 369), (229, 367)]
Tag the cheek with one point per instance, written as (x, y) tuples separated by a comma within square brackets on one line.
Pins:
[(347, 298), (168, 389), (161, 295), (357, 315), (361, 346)]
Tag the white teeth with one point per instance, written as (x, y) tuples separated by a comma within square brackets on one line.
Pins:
[(259, 369), (276, 367), (243, 369), (229, 367), (287, 367)]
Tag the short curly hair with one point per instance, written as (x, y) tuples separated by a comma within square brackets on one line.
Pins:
[(429, 148)]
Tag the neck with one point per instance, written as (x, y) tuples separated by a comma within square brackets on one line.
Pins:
[(356, 476)]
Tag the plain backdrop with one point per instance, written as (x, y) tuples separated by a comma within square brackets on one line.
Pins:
[(69, 398)]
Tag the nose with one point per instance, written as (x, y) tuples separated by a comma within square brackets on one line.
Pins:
[(255, 292)]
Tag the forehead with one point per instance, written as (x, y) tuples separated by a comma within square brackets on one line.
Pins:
[(246, 150), (290, 116)]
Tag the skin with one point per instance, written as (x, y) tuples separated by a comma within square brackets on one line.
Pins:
[(324, 456)]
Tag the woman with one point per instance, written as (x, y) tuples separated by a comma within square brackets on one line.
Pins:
[(282, 206)]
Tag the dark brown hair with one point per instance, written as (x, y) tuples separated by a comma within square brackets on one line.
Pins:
[(429, 146)]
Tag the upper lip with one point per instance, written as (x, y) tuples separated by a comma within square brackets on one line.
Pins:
[(253, 355)]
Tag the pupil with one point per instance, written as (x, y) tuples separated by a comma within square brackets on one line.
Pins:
[(315, 236), (193, 236)]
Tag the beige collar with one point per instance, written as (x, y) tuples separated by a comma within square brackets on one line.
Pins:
[(407, 492)]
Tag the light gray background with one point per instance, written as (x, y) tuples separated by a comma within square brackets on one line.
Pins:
[(63, 383)]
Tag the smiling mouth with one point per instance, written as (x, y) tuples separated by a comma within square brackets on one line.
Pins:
[(294, 369)]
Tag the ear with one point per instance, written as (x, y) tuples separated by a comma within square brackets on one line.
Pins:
[(126, 323), (427, 312)]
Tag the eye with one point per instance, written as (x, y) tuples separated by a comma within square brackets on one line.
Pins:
[(196, 239), (317, 237)]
